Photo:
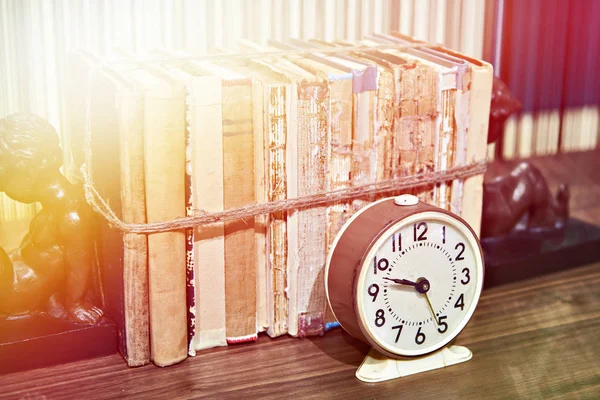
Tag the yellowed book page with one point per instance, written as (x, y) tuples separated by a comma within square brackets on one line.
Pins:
[(206, 161), (261, 197), (275, 144), (238, 186), (313, 140), (164, 150), (291, 169), (340, 161)]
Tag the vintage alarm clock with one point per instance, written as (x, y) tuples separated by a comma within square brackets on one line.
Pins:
[(405, 277)]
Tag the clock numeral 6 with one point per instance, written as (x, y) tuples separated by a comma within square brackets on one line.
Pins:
[(379, 318), (420, 338), (373, 291), (442, 326), (460, 302), (381, 265), (416, 228)]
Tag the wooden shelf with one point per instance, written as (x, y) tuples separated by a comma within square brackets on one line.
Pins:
[(533, 339), (536, 338)]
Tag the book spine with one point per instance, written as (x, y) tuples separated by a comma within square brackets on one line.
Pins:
[(363, 107), (461, 118), (340, 152), (238, 191), (479, 111), (339, 157), (206, 164), (164, 150), (135, 246), (445, 152), (275, 140), (260, 221), (313, 123), (293, 261), (384, 124)]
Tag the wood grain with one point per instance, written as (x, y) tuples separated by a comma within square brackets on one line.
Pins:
[(533, 339)]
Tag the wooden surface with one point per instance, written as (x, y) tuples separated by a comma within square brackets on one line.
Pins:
[(537, 339), (534, 339)]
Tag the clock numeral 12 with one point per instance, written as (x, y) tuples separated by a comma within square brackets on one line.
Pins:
[(396, 244), (417, 227)]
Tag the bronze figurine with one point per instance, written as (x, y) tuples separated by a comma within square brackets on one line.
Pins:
[(516, 197), (53, 269)]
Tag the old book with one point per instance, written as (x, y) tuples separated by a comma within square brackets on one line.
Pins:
[(479, 80), (115, 115), (206, 297), (339, 155), (458, 146), (238, 191), (164, 173), (364, 84)]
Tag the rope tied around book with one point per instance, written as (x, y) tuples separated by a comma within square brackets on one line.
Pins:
[(203, 217)]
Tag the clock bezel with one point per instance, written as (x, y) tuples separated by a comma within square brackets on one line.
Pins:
[(436, 214)]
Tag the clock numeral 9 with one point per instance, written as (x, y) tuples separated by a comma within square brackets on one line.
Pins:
[(460, 245), (373, 291), (399, 327), (381, 265), (416, 228), (396, 243), (420, 338), (379, 318), (460, 302), (467, 278), (442, 326)]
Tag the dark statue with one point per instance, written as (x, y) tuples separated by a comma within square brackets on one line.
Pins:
[(53, 270), (516, 197)]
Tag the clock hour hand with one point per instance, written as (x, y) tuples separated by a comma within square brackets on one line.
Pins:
[(402, 281)]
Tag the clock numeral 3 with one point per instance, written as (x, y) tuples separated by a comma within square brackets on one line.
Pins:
[(467, 278), (420, 338), (381, 265), (379, 318), (396, 242), (462, 250), (373, 291), (460, 302), (416, 228), (442, 326), (399, 327)]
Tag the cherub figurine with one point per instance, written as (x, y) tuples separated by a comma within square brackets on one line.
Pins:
[(52, 269), (516, 196)]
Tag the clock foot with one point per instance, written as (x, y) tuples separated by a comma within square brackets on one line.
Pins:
[(378, 368)]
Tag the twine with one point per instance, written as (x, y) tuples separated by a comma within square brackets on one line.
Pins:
[(202, 217)]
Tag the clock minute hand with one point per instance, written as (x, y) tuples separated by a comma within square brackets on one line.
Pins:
[(402, 281)]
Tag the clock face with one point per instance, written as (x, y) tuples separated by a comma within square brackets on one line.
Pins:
[(419, 284)]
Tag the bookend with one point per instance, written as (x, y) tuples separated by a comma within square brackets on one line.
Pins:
[(49, 286), (379, 368)]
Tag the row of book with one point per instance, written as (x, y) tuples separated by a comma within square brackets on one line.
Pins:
[(177, 132)]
